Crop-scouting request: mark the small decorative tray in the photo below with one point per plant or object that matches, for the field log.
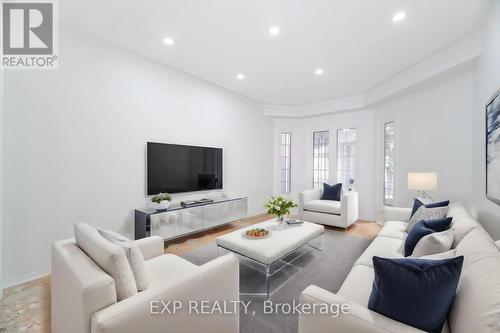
(256, 233)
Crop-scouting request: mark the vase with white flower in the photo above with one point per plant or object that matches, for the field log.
(280, 207)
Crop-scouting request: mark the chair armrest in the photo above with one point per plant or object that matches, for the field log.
(349, 207)
(397, 214)
(150, 246)
(217, 280)
(309, 195)
(357, 319)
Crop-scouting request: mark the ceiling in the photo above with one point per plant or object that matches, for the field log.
(355, 42)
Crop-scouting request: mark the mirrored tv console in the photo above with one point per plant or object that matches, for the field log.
(178, 221)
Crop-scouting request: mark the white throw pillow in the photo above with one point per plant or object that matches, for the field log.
(110, 257)
(134, 257)
(443, 255)
(437, 242)
(424, 213)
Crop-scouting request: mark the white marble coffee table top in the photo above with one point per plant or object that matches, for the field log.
(282, 240)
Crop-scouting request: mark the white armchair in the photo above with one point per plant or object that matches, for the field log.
(84, 297)
(341, 213)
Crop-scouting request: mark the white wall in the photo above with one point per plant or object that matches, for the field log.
(487, 82)
(76, 137)
(302, 130)
(434, 131)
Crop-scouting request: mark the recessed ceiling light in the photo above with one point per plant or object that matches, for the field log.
(240, 76)
(398, 16)
(318, 71)
(273, 31)
(168, 41)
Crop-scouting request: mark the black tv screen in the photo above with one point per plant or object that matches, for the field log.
(178, 168)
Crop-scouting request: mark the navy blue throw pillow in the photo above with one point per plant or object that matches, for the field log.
(417, 292)
(438, 225)
(417, 203)
(416, 233)
(331, 192)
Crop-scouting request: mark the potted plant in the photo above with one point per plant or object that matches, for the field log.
(162, 201)
(280, 207)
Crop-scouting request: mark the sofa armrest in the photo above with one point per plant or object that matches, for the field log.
(397, 214)
(150, 246)
(349, 207)
(309, 195)
(357, 319)
(217, 280)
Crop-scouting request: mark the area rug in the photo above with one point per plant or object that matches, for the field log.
(327, 269)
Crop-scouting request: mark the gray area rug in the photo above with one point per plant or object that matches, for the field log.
(327, 269)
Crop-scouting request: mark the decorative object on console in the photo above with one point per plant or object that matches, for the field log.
(351, 183)
(493, 148)
(161, 201)
(417, 203)
(332, 192)
(422, 181)
(418, 292)
(280, 207)
(424, 213)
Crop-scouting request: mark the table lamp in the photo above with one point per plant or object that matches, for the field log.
(422, 181)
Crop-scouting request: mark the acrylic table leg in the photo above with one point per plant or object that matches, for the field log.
(267, 280)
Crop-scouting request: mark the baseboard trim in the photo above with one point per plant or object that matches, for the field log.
(24, 278)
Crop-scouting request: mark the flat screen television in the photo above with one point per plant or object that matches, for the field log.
(178, 168)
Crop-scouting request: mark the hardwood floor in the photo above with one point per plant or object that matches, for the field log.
(26, 307)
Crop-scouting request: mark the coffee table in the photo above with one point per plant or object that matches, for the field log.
(282, 241)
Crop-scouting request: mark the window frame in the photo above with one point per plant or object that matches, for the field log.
(388, 201)
(287, 160)
(326, 159)
(354, 157)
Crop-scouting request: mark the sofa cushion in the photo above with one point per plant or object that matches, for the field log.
(357, 285)
(438, 224)
(462, 223)
(424, 213)
(381, 246)
(437, 242)
(425, 304)
(394, 229)
(477, 304)
(331, 192)
(134, 257)
(323, 206)
(417, 203)
(168, 270)
(416, 233)
(110, 257)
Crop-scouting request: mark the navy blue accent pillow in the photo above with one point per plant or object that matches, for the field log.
(415, 234)
(417, 203)
(331, 192)
(417, 292)
(438, 225)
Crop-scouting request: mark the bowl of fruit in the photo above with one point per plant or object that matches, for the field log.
(256, 233)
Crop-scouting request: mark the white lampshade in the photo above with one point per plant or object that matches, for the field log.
(422, 181)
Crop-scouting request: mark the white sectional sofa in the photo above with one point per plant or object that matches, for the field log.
(341, 213)
(84, 298)
(476, 308)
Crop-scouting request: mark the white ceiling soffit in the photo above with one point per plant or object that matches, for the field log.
(445, 62)
(355, 42)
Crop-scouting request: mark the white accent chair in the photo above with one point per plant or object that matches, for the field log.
(84, 297)
(341, 213)
(476, 307)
